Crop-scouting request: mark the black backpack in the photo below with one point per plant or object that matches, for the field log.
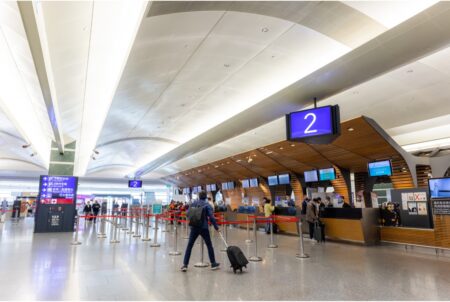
(195, 216)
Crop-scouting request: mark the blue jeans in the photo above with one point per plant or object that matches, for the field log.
(195, 232)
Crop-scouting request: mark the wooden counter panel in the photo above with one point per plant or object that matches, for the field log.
(343, 229)
(408, 235)
(288, 227)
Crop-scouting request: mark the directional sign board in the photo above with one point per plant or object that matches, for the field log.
(57, 189)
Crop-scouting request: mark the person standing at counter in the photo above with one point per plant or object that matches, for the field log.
(345, 204)
(328, 202)
(312, 216)
(304, 205)
(268, 210)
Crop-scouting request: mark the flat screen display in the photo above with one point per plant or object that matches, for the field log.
(57, 189)
(327, 174)
(186, 190)
(224, 186)
(213, 187)
(272, 180)
(254, 182)
(380, 168)
(135, 184)
(208, 188)
(439, 187)
(283, 179)
(311, 122)
(310, 176)
(245, 183)
(230, 185)
(194, 190)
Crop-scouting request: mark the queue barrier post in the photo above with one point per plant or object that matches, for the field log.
(248, 240)
(272, 245)
(147, 226)
(75, 240)
(131, 222)
(166, 224)
(155, 236)
(138, 224)
(202, 248)
(225, 231)
(123, 220)
(175, 252)
(301, 252)
(114, 226)
(186, 226)
(255, 258)
(102, 233)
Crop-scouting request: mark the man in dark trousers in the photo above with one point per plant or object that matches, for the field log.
(95, 209)
(202, 230)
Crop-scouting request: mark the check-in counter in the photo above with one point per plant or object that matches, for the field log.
(351, 224)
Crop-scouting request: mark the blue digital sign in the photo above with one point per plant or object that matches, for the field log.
(245, 183)
(439, 187)
(253, 182)
(283, 179)
(327, 174)
(310, 176)
(321, 122)
(135, 184)
(57, 189)
(380, 168)
(272, 180)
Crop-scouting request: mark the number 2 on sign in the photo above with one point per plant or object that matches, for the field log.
(308, 130)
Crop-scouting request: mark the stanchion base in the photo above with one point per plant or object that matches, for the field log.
(223, 250)
(301, 256)
(75, 243)
(114, 241)
(130, 232)
(155, 245)
(185, 238)
(255, 259)
(146, 239)
(175, 253)
(101, 236)
(125, 229)
(137, 236)
(248, 241)
(201, 264)
(272, 246)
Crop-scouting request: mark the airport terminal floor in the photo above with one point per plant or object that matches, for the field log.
(47, 267)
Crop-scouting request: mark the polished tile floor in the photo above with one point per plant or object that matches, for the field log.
(47, 267)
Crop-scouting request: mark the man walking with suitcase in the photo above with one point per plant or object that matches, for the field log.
(199, 213)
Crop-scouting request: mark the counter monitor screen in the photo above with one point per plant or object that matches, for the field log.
(213, 187)
(439, 187)
(199, 188)
(208, 188)
(254, 182)
(380, 168)
(283, 179)
(311, 176)
(230, 185)
(224, 186)
(245, 183)
(273, 180)
(135, 184)
(327, 174)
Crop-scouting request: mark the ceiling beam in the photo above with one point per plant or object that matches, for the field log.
(419, 36)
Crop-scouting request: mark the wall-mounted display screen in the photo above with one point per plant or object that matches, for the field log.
(439, 187)
(194, 190)
(213, 188)
(230, 185)
(135, 184)
(246, 183)
(283, 179)
(186, 190)
(310, 176)
(224, 186)
(272, 180)
(208, 188)
(57, 189)
(380, 168)
(327, 174)
(254, 182)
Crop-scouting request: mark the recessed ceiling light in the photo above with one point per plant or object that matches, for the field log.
(264, 29)
(281, 148)
(238, 160)
(269, 152)
(254, 155)
(292, 145)
(226, 65)
(350, 129)
(216, 166)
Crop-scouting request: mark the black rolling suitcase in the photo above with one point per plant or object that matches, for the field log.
(319, 233)
(236, 256)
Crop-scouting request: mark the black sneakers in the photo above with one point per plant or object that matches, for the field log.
(215, 266)
(184, 268)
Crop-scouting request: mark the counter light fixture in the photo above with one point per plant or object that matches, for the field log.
(350, 129)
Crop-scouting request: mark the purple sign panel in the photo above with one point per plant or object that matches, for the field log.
(312, 122)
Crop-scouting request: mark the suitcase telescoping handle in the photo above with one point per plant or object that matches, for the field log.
(221, 236)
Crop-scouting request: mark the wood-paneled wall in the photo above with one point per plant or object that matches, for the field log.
(422, 175)
(401, 177)
(298, 190)
(340, 186)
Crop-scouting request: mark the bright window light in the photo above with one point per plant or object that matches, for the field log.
(438, 143)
